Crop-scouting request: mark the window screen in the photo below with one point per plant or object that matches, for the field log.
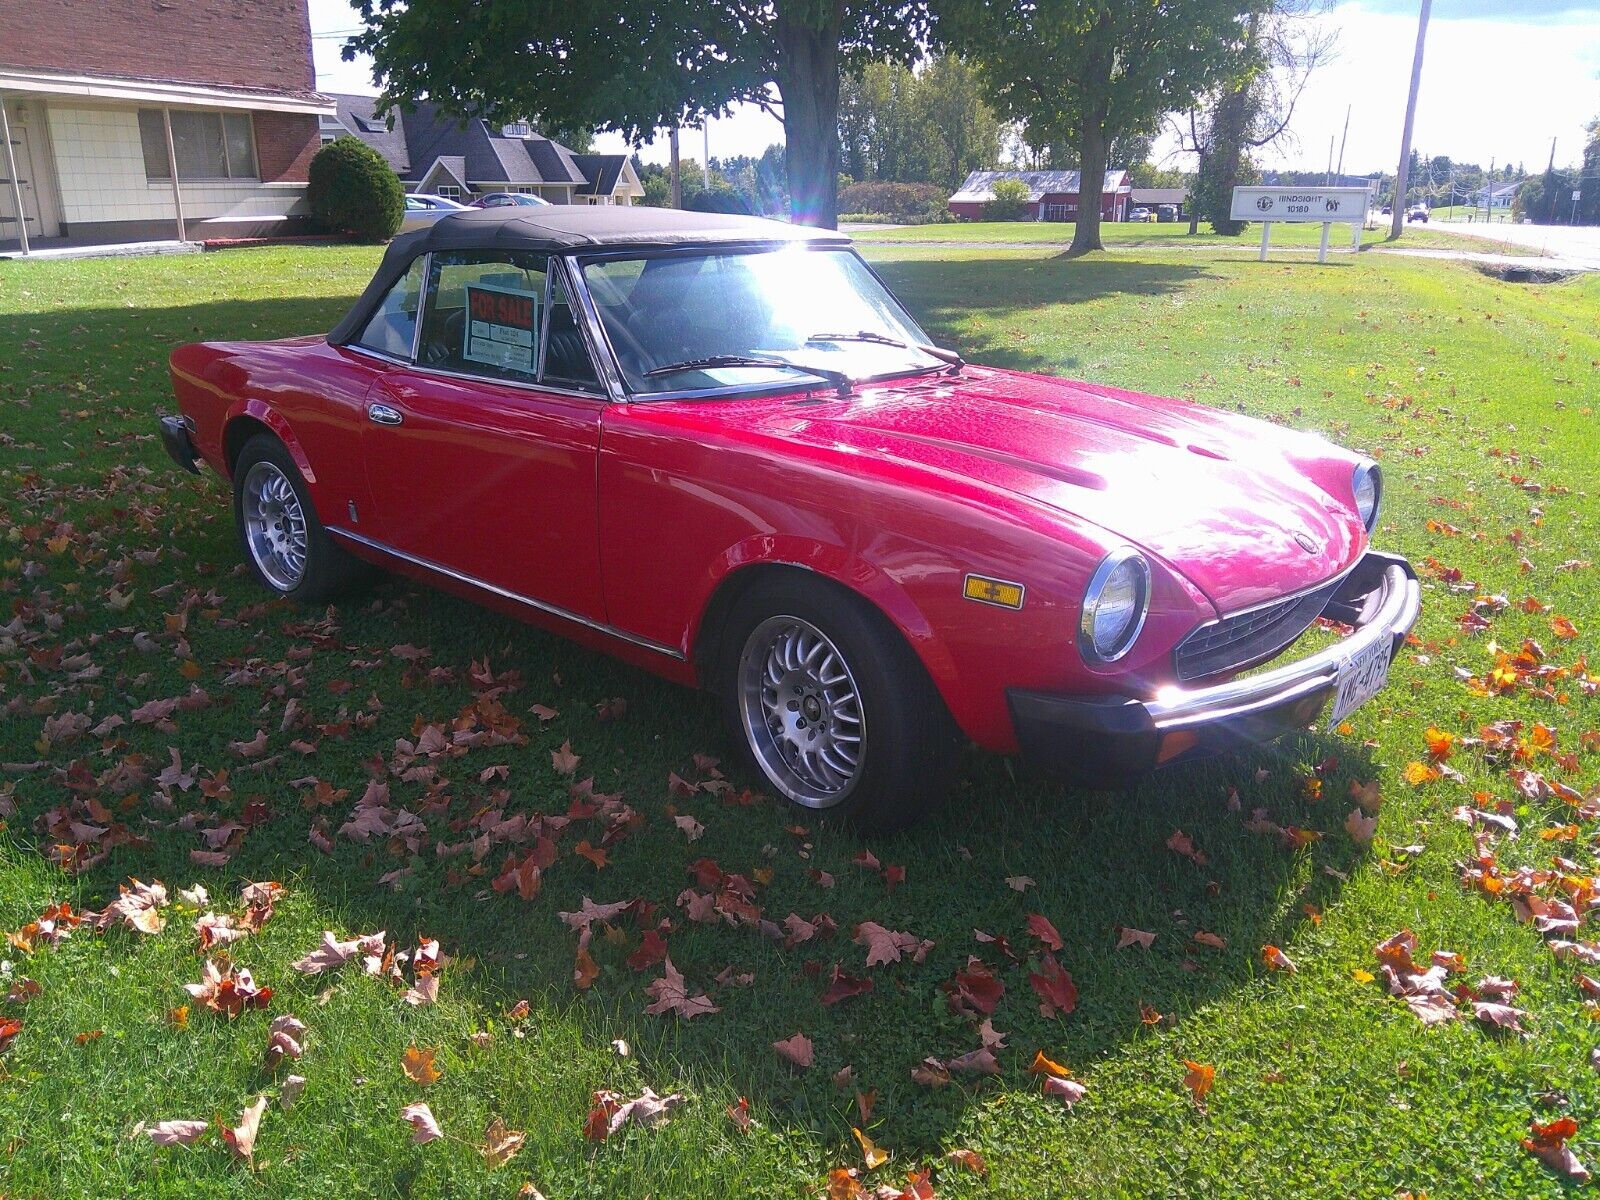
(392, 327)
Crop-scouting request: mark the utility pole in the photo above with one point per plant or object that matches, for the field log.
(1488, 197)
(705, 155)
(1328, 179)
(676, 167)
(1550, 178)
(1400, 180)
(1342, 138)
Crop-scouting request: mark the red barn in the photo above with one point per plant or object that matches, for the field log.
(1052, 195)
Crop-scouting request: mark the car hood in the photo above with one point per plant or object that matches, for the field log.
(1231, 503)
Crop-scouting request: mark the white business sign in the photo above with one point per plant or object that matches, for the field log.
(1313, 205)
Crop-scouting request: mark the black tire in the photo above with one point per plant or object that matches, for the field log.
(327, 570)
(909, 741)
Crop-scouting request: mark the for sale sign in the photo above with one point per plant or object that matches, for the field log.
(1312, 205)
(502, 327)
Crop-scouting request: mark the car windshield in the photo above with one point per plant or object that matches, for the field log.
(690, 322)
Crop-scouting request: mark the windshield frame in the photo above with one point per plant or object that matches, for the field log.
(789, 382)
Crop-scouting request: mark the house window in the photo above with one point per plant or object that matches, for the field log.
(208, 145)
(448, 190)
(517, 129)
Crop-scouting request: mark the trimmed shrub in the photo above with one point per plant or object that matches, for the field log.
(352, 190)
(1010, 201)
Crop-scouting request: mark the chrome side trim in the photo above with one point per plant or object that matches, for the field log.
(505, 593)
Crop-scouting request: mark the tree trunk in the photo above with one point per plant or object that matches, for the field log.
(1091, 185)
(808, 83)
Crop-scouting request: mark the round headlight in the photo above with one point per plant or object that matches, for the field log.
(1368, 487)
(1114, 606)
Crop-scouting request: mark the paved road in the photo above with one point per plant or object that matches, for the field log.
(1575, 245)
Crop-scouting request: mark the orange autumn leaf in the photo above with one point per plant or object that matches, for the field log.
(844, 1184)
(1277, 960)
(1417, 774)
(584, 969)
(418, 1065)
(1199, 1079)
(1563, 628)
(1044, 1066)
(873, 1155)
(594, 854)
(1439, 743)
(969, 1160)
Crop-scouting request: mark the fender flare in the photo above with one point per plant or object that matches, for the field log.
(261, 411)
(838, 565)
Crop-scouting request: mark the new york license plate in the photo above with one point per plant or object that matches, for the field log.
(1360, 679)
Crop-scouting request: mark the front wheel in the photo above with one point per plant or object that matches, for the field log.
(830, 704)
(284, 541)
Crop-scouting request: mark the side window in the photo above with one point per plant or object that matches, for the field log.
(566, 357)
(485, 314)
(393, 326)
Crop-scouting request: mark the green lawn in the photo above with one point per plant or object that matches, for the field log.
(123, 586)
(1128, 235)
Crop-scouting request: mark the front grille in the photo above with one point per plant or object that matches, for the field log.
(1249, 637)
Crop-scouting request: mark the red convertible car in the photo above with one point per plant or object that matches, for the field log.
(719, 448)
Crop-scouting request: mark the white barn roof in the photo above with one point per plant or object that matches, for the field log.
(978, 188)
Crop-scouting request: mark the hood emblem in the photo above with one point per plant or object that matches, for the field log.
(1306, 542)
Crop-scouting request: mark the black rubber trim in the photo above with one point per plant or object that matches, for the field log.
(179, 445)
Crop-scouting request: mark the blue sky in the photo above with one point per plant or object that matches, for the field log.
(1500, 79)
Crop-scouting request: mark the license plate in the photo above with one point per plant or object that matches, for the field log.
(1360, 679)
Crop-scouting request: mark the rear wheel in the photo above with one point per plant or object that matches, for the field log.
(832, 707)
(283, 540)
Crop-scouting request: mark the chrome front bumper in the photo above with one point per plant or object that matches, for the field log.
(1112, 739)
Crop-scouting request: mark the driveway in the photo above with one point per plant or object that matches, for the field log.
(1577, 246)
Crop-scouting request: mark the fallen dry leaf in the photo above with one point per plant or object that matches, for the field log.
(1548, 1144)
(418, 1065)
(796, 1049)
(177, 1133)
(500, 1144)
(1198, 1079)
(241, 1138)
(872, 1155)
(424, 1128)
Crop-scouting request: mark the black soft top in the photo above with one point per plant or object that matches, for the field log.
(570, 228)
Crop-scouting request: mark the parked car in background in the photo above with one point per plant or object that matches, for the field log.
(1167, 213)
(1141, 214)
(509, 200)
(1418, 213)
(422, 210)
(719, 448)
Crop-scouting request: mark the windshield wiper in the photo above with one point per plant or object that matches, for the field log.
(883, 339)
(713, 362)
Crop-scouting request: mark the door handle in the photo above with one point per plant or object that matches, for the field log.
(383, 414)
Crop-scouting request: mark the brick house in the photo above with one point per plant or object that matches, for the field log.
(437, 154)
(1052, 195)
(104, 98)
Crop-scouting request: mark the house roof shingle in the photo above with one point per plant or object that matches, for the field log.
(978, 187)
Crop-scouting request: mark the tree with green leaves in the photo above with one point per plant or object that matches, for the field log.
(1083, 72)
(1284, 44)
(634, 66)
(928, 125)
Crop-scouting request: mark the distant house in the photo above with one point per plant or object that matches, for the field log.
(1052, 195)
(1498, 195)
(131, 119)
(1153, 198)
(436, 153)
